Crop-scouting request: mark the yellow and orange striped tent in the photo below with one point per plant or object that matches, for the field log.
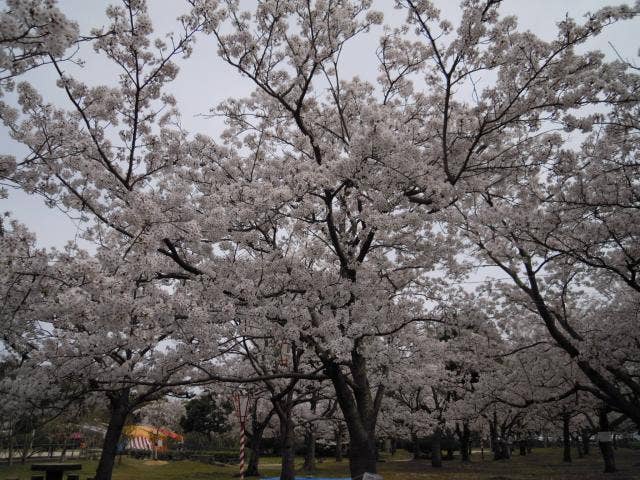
(144, 437)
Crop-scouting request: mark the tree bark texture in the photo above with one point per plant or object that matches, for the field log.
(522, 444)
(436, 444)
(586, 436)
(310, 453)
(287, 452)
(415, 445)
(566, 436)
(360, 411)
(255, 445)
(464, 436)
(119, 409)
(606, 448)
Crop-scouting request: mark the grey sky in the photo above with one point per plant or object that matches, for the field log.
(205, 80)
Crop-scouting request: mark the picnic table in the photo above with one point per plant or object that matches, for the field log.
(55, 471)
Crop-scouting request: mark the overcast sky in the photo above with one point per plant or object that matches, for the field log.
(204, 80)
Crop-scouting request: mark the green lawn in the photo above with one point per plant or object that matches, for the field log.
(544, 464)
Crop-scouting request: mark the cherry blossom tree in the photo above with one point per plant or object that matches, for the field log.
(271, 359)
(89, 327)
(117, 335)
(261, 415)
(328, 212)
(553, 286)
(21, 289)
(32, 31)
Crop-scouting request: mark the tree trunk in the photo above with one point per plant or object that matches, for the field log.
(415, 442)
(523, 447)
(119, 408)
(362, 454)
(586, 435)
(287, 453)
(310, 453)
(10, 459)
(254, 461)
(497, 444)
(566, 436)
(496, 447)
(505, 445)
(28, 452)
(339, 435)
(25, 449)
(579, 446)
(505, 449)
(360, 411)
(255, 444)
(465, 443)
(436, 453)
(606, 448)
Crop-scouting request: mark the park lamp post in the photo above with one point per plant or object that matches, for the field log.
(241, 403)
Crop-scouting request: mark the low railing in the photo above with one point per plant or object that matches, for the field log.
(44, 451)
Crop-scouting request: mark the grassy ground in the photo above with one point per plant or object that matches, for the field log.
(544, 464)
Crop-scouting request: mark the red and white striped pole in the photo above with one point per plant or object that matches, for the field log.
(242, 441)
(242, 409)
